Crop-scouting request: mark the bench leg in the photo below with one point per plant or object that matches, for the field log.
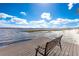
(36, 52)
(60, 45)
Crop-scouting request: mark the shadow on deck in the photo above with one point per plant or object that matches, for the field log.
(68, 49)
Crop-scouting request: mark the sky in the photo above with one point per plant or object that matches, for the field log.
(39, 15)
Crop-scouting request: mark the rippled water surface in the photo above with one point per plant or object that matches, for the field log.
(7, 35)
(14, 35)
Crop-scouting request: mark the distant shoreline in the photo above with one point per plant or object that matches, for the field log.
(35, 28)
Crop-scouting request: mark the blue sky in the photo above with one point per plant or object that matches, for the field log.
(43, 15)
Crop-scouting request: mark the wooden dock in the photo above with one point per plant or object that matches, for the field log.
(68, 49)
(28, 49)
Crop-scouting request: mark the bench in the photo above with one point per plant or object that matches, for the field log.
(49, 46)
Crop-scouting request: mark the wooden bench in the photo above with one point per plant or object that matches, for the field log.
(48, 47)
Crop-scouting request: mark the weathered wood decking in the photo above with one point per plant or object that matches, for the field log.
(68, 49)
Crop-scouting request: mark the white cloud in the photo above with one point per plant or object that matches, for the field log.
(23, 13)
(63, 23)
(13, 25)
(3, 15)
(39, 24)
(3, 22)
(19, 21)
(13, 19)
(57, 23)
(70, 5)
(46, 16)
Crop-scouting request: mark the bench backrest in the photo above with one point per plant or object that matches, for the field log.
(50, 45)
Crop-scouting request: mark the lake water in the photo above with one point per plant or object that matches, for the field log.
(7, 35)
(11, 35)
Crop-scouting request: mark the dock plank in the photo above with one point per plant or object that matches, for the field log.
(66, 52)
(77, 50)
(74, 50)
(70, 51)
(54, 51)
(59, 52)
